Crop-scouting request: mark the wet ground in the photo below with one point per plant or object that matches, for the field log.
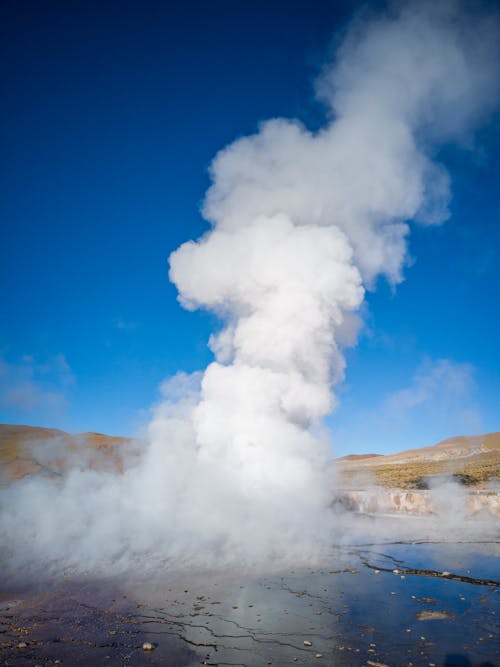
(390, 604)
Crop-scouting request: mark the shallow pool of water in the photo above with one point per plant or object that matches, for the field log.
(370, 604)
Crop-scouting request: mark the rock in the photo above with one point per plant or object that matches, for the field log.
(432, 615)
(318, 655)
(307, 643)
(148, 646)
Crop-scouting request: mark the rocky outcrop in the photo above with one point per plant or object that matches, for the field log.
(418, 503)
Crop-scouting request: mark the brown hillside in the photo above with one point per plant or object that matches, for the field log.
(26, 450)
(357, 457)
(471, 459)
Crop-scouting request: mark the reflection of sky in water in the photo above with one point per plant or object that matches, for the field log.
(479, 561)
(350, 613)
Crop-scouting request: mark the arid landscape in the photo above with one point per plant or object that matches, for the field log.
(29, 450)
(218, 242)
(443, 591)
(472, 461)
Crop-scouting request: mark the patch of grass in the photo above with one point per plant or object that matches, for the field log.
(470, 472)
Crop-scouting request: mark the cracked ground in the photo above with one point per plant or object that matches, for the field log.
(390, 604)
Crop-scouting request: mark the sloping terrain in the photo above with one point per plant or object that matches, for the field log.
(473, 460)
(26, 450)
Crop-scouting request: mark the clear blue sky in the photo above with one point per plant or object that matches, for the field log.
(111, 114)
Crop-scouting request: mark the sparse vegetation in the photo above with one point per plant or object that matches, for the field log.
(27, 450)
(471, 471)
(23, 451)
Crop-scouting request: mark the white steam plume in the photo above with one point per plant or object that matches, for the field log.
(301, 223)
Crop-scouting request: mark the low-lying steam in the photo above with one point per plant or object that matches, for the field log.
(301, 224)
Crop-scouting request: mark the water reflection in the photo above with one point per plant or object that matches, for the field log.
(375, 605)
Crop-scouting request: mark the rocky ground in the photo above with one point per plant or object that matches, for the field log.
(408, 588)
(375, 605)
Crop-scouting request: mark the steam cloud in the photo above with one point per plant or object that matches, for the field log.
(301, 224)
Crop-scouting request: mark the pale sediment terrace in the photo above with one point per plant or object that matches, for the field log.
(418, 502)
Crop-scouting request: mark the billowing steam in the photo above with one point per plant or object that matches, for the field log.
(301, 223)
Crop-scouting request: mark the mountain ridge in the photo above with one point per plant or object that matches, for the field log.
(29, 450)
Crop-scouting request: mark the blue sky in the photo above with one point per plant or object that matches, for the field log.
(111, 115)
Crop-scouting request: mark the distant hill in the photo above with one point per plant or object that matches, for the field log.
(471, 459)
(357, 457)
(27, 450)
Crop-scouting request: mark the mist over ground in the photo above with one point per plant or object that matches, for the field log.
(301, 224)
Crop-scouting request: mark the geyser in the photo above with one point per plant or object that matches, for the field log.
(302, 223)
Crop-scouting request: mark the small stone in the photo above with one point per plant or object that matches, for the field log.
(22, 645)
(318, 655)
(295, 659)
(148, 646)
(432, 615)
(307, 643)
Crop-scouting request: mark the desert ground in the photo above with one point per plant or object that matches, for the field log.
(424, 598)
